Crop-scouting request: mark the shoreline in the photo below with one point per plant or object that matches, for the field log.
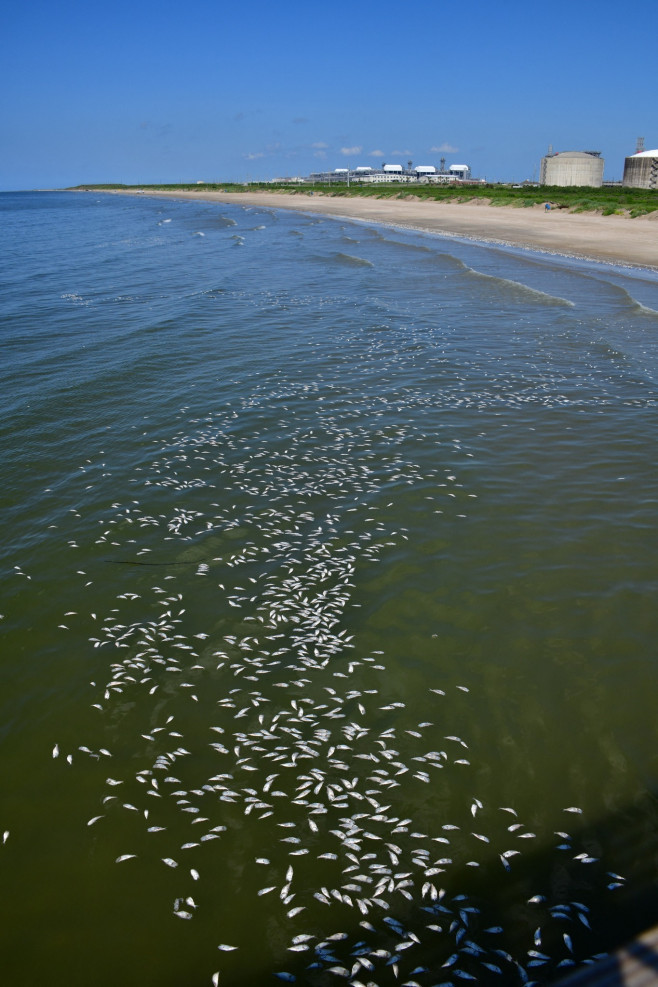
(616, 240)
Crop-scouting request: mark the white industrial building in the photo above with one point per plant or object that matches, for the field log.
(455, 173)
(387, 173)
(572, 168)
(641, 170)
(460, 171)
(396, 173)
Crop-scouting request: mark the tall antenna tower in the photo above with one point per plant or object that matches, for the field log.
(640, 145)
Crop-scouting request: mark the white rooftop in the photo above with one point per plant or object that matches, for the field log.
(575, 154)
(646, 154)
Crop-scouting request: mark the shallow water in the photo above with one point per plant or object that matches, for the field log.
(320, 538)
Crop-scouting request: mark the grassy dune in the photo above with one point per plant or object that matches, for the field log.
(605, 201)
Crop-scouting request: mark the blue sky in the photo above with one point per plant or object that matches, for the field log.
(154, 92)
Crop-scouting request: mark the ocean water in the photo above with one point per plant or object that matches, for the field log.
(329, 581)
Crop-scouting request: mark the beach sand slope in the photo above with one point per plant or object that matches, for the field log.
(612, 239)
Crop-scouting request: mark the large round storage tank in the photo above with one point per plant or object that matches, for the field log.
(572, 168)
(641, 170)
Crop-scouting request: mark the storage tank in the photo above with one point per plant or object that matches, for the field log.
(572, 168)
(641, 170)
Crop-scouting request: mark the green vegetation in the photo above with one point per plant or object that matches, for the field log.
(606, 201)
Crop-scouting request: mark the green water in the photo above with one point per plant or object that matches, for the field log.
(304, 562)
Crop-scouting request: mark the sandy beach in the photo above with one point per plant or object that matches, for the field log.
(611, 239)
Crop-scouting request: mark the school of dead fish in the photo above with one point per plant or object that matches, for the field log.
(293, 727)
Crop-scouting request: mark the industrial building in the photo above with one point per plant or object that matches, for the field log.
(641, 168)
(572, 168)
(396, 173)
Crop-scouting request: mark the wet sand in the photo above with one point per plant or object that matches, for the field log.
(612, 239)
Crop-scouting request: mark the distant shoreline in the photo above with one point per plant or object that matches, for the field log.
(613, 239)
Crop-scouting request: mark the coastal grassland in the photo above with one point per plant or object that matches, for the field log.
(606, 201)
